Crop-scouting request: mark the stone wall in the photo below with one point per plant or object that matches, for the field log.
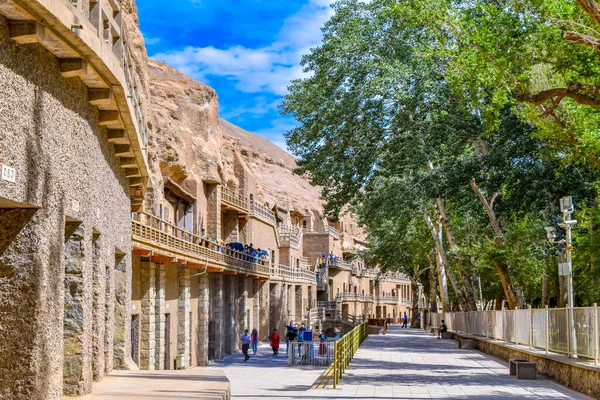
(567, 372)
(315, 245)
(66, 169)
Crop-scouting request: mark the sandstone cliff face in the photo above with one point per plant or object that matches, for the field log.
(188, 140)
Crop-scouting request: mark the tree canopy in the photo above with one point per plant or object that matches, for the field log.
(452, 128)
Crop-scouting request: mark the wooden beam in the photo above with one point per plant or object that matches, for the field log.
(136, 182)
(116, 136)
(108, 117)
(101, 97)
(26, 32)
(141, 252)
(132, 173)
(72, 67)
(164, 259)
(128, 162)
(123, 150)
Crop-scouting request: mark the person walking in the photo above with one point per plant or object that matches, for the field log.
(323, 344)
(254, 341)
(405, 324)
(246, 339)
(275, 342)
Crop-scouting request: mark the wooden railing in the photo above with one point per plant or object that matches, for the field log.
(290, 236)
(234, 198)
(289, 273)
(263, 213)
(337, 263)
(350, 296)
(154, 232)
(334, 233)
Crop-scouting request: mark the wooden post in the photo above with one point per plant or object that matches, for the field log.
(547, 328)
(595, 330)
(515, 327)
(530, 326)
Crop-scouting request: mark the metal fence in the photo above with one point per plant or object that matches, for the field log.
(318, 353)
(549, 329)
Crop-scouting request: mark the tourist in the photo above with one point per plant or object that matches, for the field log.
(323, 344)
(443, 328)
(418, 320)
(290, 336)
(405, 324)
(246, 339)
(254, 341)
(275, 342)
(331, 256)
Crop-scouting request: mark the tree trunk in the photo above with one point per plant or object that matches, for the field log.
(546, 281)
(444, 265)
(466, 286)
(499, 301)
(414, 288)
(510, 292)
(433, 306)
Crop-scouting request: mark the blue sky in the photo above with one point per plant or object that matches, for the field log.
(248, 50)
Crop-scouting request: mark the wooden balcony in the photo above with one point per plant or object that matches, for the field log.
(292, 274)
(233, 200)
(289, 236)
(339, 264)
(89, 41)
(262, 213)
(158, 237)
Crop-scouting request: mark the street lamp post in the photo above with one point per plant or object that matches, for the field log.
(566, 207)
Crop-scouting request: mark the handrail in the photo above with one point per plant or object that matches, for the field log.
(287, 272)
(234, 198)
(262, 212)
(290, 235)
(147, 227)
(337, 263)
(345, 349)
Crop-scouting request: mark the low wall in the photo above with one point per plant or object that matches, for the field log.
(577, 375)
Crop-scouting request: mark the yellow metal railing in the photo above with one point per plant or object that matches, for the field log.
(344, 350)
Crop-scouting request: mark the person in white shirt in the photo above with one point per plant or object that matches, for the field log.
(246, 340)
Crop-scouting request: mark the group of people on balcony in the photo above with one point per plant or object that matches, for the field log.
(247, 253)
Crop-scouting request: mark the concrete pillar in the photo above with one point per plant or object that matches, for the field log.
(183, 315)
(98, 309)
(122, 305)
(203, 317)
(213, 220)
(148, 322)
(277, 306)
(217, 314)
(299, 309)
(243, 304)
(159, 332)
(291, 305)
(256, 311)
(229, 302)
(230, 226)
(77, 338)
(264, 314)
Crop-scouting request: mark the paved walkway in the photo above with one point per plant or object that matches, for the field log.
(192, 384)
(404, 364)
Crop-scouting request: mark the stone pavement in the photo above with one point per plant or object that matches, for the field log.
(197, 384)
(404, 364)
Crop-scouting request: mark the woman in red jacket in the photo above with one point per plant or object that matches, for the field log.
(275, 342)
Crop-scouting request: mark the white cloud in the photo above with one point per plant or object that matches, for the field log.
(151, 41)
(265, 69)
